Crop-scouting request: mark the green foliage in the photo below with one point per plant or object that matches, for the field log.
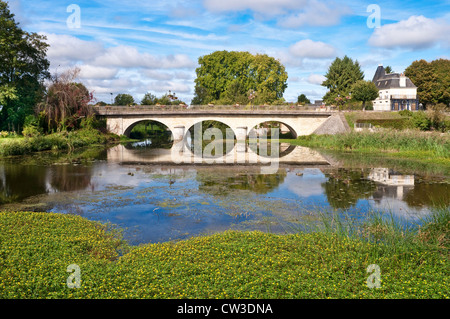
(7, 93)
(124, 100)
(341, 76)
(23, 69)
(432, 80)
(57, 141)
(388, 69)
(437, 117)
(406, 113)
(149, 99)
(37, 248)
(30, 131)
(66, 103)
(421, 121)
(227, 77)
(364, 91)
(148, 129)
(302, 99)
(398, 124)
(434, 145)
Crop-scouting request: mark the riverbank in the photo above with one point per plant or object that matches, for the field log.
(57, 142)
(37, 248)
(424, 147)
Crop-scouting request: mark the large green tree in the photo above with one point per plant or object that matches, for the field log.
(124, 99)
(432, 80)
(23, 69)
(364, 91)
(341, 76)
(229, 77)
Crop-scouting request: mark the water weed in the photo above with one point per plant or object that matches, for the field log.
(37, 248)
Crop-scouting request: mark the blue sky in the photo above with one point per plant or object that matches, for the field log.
(153, 46)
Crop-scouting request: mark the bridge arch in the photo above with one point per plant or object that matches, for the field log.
(282, 123)
(226, 131)
(128, 129)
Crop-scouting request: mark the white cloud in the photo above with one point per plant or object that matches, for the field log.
(265, 7)
(120, 68)
(316, 14)
(311, 49)
(68, 48)
(95, 72)
(293, 13)
(417, 32)
(316, 79)
(130, 57)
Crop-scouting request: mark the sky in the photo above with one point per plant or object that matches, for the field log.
(137, 47)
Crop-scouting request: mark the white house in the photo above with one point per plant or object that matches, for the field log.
(397, 92)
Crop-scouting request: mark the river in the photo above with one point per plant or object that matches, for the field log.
(139, 189)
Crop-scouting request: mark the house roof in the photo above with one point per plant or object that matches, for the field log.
(387, 81)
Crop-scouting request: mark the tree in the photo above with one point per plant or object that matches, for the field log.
(7, 93)
(23, 69)
(432, 80)
(341, 76)
(388, 69)
(226, 78)
(302, 99)
(364, 91)
(66, 102)
(124, 99)
(149, 99)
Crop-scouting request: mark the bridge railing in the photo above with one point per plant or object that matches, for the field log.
(212, 108)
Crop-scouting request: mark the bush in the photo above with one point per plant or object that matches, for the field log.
(31, 131)
(421, 121)
(15, 147)
(398, 124)
(406, 113)
(437, 117)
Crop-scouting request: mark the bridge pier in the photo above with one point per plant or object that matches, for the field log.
(241, 133)
(178, 133)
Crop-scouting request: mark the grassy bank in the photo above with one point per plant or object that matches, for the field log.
(427, 147)
(57, 141)
(37, 248)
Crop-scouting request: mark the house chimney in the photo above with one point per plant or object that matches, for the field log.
(402, 80)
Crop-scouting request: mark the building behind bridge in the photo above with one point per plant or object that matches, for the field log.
(396, 92)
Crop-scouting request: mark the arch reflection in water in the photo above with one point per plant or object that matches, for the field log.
(210, 139)
(240, 154)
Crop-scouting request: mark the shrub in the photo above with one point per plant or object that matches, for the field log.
(421, 121)
(406, 113)
(31, 131)
(437, 117)
(398, 124)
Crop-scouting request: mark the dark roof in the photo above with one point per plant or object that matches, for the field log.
(380, 73)
(386, 81)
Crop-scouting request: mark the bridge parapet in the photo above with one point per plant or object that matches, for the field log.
(216, 109)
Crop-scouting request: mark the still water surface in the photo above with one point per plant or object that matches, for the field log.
(138, 189)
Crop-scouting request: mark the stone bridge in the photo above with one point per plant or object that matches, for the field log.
(121, 119)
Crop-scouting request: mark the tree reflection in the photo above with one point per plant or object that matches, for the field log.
(67, 178)
(18, 182)
(428, 194)
(345, 187)
(223, 184)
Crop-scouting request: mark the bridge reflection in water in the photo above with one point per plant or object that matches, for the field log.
(241, 154)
